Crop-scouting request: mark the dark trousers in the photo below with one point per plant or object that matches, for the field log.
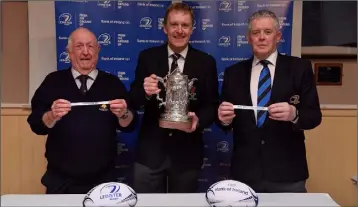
(278, 187)
(164, 179)
(57, 183)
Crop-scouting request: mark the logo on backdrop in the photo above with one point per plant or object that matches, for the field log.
(121, 39)
(206, 23)
(146, 23)
(221, 77)
(160, 23)
(241, 5)
(104, 4)
(122, 76)
(104, 39)
(65, 19)
(224, 41)
(122, 4)
(241, 40)
(64, 57)
(83, 19)
(225, 6)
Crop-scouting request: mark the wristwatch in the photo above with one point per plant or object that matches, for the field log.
(125, 115)
(296, 117)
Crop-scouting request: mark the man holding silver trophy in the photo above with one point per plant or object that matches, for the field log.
(177, 87)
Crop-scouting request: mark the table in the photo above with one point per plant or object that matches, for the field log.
(161, 200)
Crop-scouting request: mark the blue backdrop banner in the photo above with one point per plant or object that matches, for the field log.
(124, 28)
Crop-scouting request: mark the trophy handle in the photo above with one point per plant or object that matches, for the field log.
(162, 102)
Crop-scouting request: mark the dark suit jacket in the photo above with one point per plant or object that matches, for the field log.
(276, 151)
(155, 144)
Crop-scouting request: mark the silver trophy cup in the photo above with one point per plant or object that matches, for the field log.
(177, 87)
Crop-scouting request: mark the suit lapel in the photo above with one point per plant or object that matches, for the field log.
(280, 79)
(163, 66)
(248, 69)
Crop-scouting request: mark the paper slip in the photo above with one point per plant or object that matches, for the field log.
(251, 107)
(89, 103)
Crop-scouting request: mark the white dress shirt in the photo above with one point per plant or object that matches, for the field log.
(180, 61)
(93, 75)
(255, 75)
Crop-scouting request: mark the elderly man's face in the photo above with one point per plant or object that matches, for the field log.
(84, 50)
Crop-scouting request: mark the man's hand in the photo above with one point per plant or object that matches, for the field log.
(194, 122)
(118, 107)
(282, 111)
(226, 112)
(60, 108)
(151, 85)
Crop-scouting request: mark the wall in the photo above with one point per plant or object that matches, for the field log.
(15, 52)
(347, 92)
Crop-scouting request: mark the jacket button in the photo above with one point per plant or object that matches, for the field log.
(262, 141)
(170, 134)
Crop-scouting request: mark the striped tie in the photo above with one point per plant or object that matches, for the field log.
(174, 65)
(264, 92)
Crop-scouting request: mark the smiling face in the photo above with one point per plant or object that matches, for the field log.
(83, 50)
(263, 36)
(178, 27)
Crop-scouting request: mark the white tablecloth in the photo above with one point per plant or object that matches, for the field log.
(161, 200)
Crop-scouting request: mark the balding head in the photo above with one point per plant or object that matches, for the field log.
(83, 50)
(77, 33)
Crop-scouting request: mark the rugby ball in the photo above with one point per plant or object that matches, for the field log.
(111, 194)
(231, 193)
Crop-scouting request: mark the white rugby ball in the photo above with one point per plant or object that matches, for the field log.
(111, 194)
(231, 193)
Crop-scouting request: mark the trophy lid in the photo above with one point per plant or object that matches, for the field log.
(176, 74)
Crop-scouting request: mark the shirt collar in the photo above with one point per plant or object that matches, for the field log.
(182, 53)
(272, 58)
(93, 74)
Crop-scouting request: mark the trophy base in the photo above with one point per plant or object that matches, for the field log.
(174, 125)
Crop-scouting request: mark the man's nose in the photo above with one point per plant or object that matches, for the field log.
(262, 36)
(180, 29)
(85, 50)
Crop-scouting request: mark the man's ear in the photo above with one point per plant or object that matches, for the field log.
(165, 29)
(248, 37)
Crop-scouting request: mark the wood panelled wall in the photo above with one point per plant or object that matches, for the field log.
(331, 152)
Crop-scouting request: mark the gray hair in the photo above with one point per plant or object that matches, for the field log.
(69, 40)
(264, 13)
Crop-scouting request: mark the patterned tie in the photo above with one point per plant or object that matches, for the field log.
(83, 79)
(263, 92)
(175, 58)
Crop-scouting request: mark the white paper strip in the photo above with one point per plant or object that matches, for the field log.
(251, 107)
(89, 103)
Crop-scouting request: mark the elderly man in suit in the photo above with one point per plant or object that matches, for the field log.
(269, 149)
(173, 155)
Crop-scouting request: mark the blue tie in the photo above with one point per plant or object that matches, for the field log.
(263, 92)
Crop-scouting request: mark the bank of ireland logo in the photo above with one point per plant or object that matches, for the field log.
(104, 39)
(64, 57)
(225, 6)
(224, 41)
(65, 19)
(146, 23)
